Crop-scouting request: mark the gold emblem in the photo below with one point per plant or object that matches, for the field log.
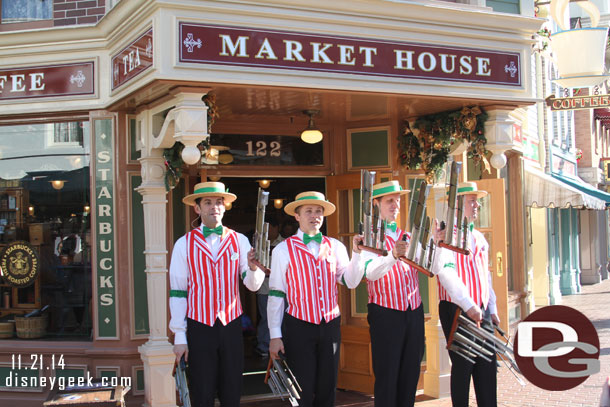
(19, 263)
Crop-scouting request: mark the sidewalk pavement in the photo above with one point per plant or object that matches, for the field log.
(594, 302)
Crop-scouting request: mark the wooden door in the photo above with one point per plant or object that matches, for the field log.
(355, 366)
(492, 223)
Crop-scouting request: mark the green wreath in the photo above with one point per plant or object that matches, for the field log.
(437, 134)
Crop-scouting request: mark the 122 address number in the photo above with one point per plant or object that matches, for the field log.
(261, 148)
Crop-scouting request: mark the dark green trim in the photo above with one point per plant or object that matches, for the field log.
(384, 190)
(243, 275)
(277, 293)
(178, 293)
(366, 265)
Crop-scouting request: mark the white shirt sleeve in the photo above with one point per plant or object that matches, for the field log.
(178, 281)
(444, 267)
(348, 272)
(375, 267)
(277, 289)
(493, 309)
(253, 279)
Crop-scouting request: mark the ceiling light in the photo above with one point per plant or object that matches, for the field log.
(264, 183)
(311, 134)
(58, 184)
(278, 203)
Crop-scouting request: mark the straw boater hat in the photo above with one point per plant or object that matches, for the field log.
(310, 198)
(209, 189)
(467, 188)
(388, 188)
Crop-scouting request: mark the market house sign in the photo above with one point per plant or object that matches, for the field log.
(578, 102)
(19, 264)
(46, 81)
(208, 44)
(132, 60)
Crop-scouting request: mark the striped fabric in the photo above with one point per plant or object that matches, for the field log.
(214, 285)
(399, 288)
(473, 270)
(542, 190)
(311, 283)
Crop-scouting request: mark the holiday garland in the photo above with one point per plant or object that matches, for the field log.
(429, 149)
(173, 155)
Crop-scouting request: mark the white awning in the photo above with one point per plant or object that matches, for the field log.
(542, 190)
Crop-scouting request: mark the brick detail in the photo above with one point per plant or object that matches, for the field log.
(87, 4)
(65, 21)
(76, 13)
(87, 20)
(96, 11)
(59, 14)
(64, 6)
(101, 3)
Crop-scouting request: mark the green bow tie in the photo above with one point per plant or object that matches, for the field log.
(391, 226)
(471, 226)
(207, 231)
(316, 238)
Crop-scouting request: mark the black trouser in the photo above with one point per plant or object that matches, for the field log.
(216, 362)
(312, 353)
(397, 343)
(483, 373)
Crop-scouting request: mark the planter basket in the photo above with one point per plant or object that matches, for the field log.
(31, 328)
(7, 330)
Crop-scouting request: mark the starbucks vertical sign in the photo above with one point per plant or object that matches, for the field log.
(104, 230)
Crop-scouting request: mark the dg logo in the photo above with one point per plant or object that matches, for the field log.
(557, 348)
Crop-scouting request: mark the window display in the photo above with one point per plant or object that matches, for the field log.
(45, 253)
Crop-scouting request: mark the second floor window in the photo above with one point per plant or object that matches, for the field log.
(20, 11)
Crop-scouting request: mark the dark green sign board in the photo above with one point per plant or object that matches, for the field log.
(105, 278)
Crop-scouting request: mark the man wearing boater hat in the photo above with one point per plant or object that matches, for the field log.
(305, 270)
(395, 310)
(476, 297)
(207, 264)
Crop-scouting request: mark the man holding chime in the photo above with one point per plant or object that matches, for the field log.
(475, 296)
(305, 270)
(395, 310)
(206, 267)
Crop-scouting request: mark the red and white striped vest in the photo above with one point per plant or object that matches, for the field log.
(399, 288)
(214, 285)
(311, 283)
(473, 270)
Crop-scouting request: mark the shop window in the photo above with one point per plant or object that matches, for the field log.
(505, 6)
(45, 214)
(66, 134)
(21, 11)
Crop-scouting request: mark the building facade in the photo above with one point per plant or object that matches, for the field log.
(90, 113)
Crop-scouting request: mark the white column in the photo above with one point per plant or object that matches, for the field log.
(186, 122)
(157, 353)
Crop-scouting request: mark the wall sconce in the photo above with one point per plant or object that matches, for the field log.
(278, 203)
(214, 178)
(31, 210)
(228, 206)
(264, 183)
(311, 134)
(87, 208)
(58, 184)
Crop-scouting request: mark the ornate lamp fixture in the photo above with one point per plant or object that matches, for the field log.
(311, 134)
